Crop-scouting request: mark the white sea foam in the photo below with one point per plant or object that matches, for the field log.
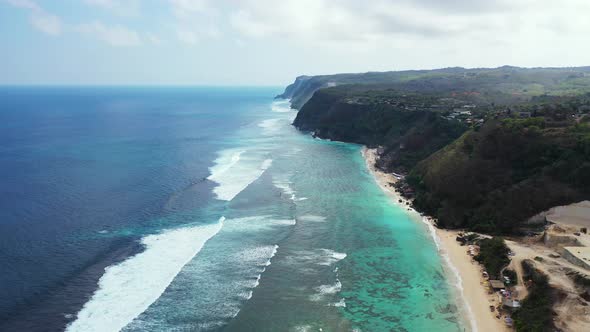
(339, 304)
(432, 232)
(262, 253)
(285, 222)
(246, 295)
(312, 218)
(306, 259)
(281, 106)
(330, 289)
(258, 278)
(271, 126)
(326, 290)
(256, 223)
(285, 186)
(250, 256)
(127, 289)
(330, 257)
(456, 274)
(269, 123)
(235, 169)
(225, 161)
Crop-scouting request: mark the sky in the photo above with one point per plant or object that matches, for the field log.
(270, 42)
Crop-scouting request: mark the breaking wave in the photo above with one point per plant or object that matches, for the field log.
(236, 169)
(127, 289)
(281, 106)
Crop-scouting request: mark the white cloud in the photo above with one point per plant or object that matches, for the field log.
(289, 37)
(47, 23)
(186, 8)
(25, 4)
(39, 18)
(118, 7)
(386, 23)
(187, 36)
(116, 35)
(153, 39)
(195, 20)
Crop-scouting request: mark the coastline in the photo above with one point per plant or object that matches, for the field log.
(464, 274)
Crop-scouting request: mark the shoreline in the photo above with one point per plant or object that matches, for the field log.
(464, 273)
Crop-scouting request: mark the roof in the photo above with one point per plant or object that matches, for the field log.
(511, 303)
(497, 284)
(581, 254)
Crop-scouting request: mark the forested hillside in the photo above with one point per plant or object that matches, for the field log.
(484, 149)
(494, 178)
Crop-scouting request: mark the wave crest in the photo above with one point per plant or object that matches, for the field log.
(127, 289)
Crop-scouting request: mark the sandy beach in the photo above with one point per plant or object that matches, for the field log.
(472, 296)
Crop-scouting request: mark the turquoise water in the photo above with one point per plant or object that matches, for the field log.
(209, 211)
(391, 278)
(346, 258)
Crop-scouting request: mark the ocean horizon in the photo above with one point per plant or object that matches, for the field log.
(200, 208)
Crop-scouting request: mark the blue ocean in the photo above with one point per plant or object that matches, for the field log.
(199, 209)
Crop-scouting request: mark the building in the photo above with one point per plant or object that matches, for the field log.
(497, 284)
(578, 255)
(510, 303)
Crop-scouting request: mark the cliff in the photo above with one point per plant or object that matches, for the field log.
(484, 149)
(523, 82)
(407, 136)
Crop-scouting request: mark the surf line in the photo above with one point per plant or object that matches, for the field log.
(128, 288)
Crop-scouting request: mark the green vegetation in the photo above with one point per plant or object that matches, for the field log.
(536, 314)
(493, 254)
(505, 84)
(512, 276)
(483, 149)
(379, 118)
(494, 178)
(515, 125)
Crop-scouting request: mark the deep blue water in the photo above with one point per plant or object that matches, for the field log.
(79, 164)
(199, 209)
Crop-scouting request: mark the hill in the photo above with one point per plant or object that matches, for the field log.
(520, 83)
(494, 178)
(484, 149)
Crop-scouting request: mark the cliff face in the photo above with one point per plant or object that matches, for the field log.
(294, 88)
(300, 91)
(406, 137)
(523, 146)
(513, 81)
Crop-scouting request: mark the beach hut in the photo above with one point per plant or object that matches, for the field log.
(510, 303)
(496, 284)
